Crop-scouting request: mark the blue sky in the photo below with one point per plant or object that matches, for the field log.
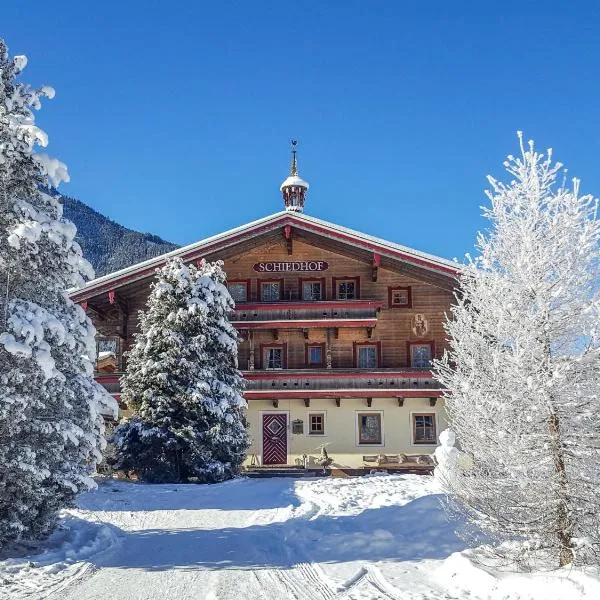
(175, 118)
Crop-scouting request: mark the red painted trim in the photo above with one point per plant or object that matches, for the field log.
(355, 352)
(392, 289)
(248, 233)
(349, 393)
(429, 343)
(332, 374)
(376, 259)
(248, 283)
(316, 304)
(278, 280)
(309, 345)
(369, 245)
(321, 280)
(304, 324)
(101, 378)
(264, 347)
(336, 280)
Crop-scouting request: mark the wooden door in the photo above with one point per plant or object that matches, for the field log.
(274, 439)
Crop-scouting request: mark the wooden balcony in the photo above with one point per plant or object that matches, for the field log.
(340, 383)
(305, 314)
(325, 383)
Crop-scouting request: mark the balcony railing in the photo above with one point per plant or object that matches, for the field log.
(340, 383)
(299, 314)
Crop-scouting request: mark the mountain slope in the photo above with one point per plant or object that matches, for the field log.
(108, 245)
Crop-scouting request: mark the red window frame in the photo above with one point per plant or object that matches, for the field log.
(307, 348)
(357, 345)
(336, 280)
(409, 346)
(396, 288)
(303, 280)
(247, 282)
(264, 347)
(259, 283)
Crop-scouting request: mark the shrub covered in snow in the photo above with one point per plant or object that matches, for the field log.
(522, 372)
(50, 422)
(182, 378)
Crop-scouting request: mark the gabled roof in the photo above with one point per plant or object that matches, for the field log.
(304, 222)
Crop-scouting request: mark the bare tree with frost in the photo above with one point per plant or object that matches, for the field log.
(523, 368)
(50, 422)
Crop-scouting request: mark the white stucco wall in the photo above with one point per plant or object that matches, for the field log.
(341, 430)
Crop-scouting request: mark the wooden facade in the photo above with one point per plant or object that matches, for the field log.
(326, 316)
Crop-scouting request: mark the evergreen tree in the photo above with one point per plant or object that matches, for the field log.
(522, 369)
(50, 422)
(182, 378)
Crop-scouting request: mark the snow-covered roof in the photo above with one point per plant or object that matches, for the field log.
(294, 180)
(255, 228)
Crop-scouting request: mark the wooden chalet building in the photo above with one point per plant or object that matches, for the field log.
(337, 331)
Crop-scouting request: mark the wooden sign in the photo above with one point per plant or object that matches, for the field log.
(296, 266)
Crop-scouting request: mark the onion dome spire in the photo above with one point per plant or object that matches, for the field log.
(294, 188)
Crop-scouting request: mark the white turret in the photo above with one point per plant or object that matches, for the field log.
(294, 188)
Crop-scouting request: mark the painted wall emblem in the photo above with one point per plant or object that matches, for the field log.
(420, 326)
(297, 266)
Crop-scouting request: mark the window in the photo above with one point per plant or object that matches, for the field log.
(314, 355)
(400, 297)
(424, 429)
(238, 291)
(369, 428)
(346, 290)
(270, 291)
(274, 358)
(421, 355)
(316, 424)
(311, 290)
(366, 356)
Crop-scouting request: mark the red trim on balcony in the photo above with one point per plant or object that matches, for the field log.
(303, 280)
(305, 323)
(338, 374)
(355, 346)
(307, 347)
(336, 280)
(430, 343)
(316, 304)
(350, 393)
(407, 289)
(261, 359)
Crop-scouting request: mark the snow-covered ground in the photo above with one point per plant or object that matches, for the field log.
(371, 538)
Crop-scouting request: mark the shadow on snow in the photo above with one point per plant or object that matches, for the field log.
(415, 531)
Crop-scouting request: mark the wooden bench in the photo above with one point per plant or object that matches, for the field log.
(395, 460)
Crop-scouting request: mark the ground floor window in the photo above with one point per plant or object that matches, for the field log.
(369, 428)
(316, 424)
(424, 428)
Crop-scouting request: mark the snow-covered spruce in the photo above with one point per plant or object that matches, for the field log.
(522, 371)
(182, 379)
(51, 429)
